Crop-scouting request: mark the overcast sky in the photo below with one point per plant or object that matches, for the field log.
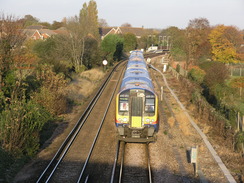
(147, 13)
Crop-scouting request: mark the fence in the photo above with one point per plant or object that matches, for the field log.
(239, 117)
(236, 71)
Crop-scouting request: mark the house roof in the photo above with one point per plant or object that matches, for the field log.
(29, 32)
(44, 33)
(47, 31)
(138, 31)
(61, 30)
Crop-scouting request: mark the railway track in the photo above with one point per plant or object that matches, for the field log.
(67, 165)
(87, 154)
(126, 168)
(91, 152)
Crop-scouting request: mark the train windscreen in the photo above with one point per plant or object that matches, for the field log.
(149, 104)
(124, 103)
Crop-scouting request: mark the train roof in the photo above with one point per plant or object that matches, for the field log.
(136, 75)
(136, 53)
(136, 72)
(140, 81)
(136, 64)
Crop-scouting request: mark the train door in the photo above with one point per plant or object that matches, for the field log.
(136, 112)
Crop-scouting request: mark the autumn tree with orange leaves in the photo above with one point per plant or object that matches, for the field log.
(225, 41)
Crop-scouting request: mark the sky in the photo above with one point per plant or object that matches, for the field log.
(147, 13)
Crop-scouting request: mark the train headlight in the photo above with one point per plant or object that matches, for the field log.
(147, 120)
(124, 119)
(120, 120)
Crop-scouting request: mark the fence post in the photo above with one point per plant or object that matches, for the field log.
(242, 124)
(162, 91)
(238, 121)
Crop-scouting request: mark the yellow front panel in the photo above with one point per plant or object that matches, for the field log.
(136, 122)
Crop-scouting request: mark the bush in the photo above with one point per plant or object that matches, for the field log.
(52, 93)
(216, 74)
(178, 54)
(54, 101)
(239, 139)
(196, 74)
(178, 68)
(20, 124)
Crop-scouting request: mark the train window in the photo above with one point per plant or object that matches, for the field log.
(124, 102)
(149, 105)
(123, 106)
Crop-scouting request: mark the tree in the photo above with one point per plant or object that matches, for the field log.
(91, 56)
(82, 29)
(46, 25)
(57, 25)
(215, 89)
(217, 73)
(89, 19)
(126, 25)
(102, 23)
(130, 42)
(177, 42)
(11, 40)
(197, 40)
(234, 36)
(29, 20)
(73, 42)
(89, 23)
(223, 48)
(112, 46)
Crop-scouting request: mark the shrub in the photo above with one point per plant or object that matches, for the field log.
(20, 124)
(196, 74)
(239, 139)
(178, 68)
(216, 74)
(54, 101)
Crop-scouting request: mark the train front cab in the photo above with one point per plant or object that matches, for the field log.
(137, 115)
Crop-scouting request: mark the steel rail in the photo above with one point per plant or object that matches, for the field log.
(98, 131)
(115, 162)
(148, 164)
(122, 163)
(72, 135)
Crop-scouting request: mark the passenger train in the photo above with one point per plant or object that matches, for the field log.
(136, 103)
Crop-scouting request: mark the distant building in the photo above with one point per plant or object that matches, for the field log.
(138, 32)
(41, 34)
